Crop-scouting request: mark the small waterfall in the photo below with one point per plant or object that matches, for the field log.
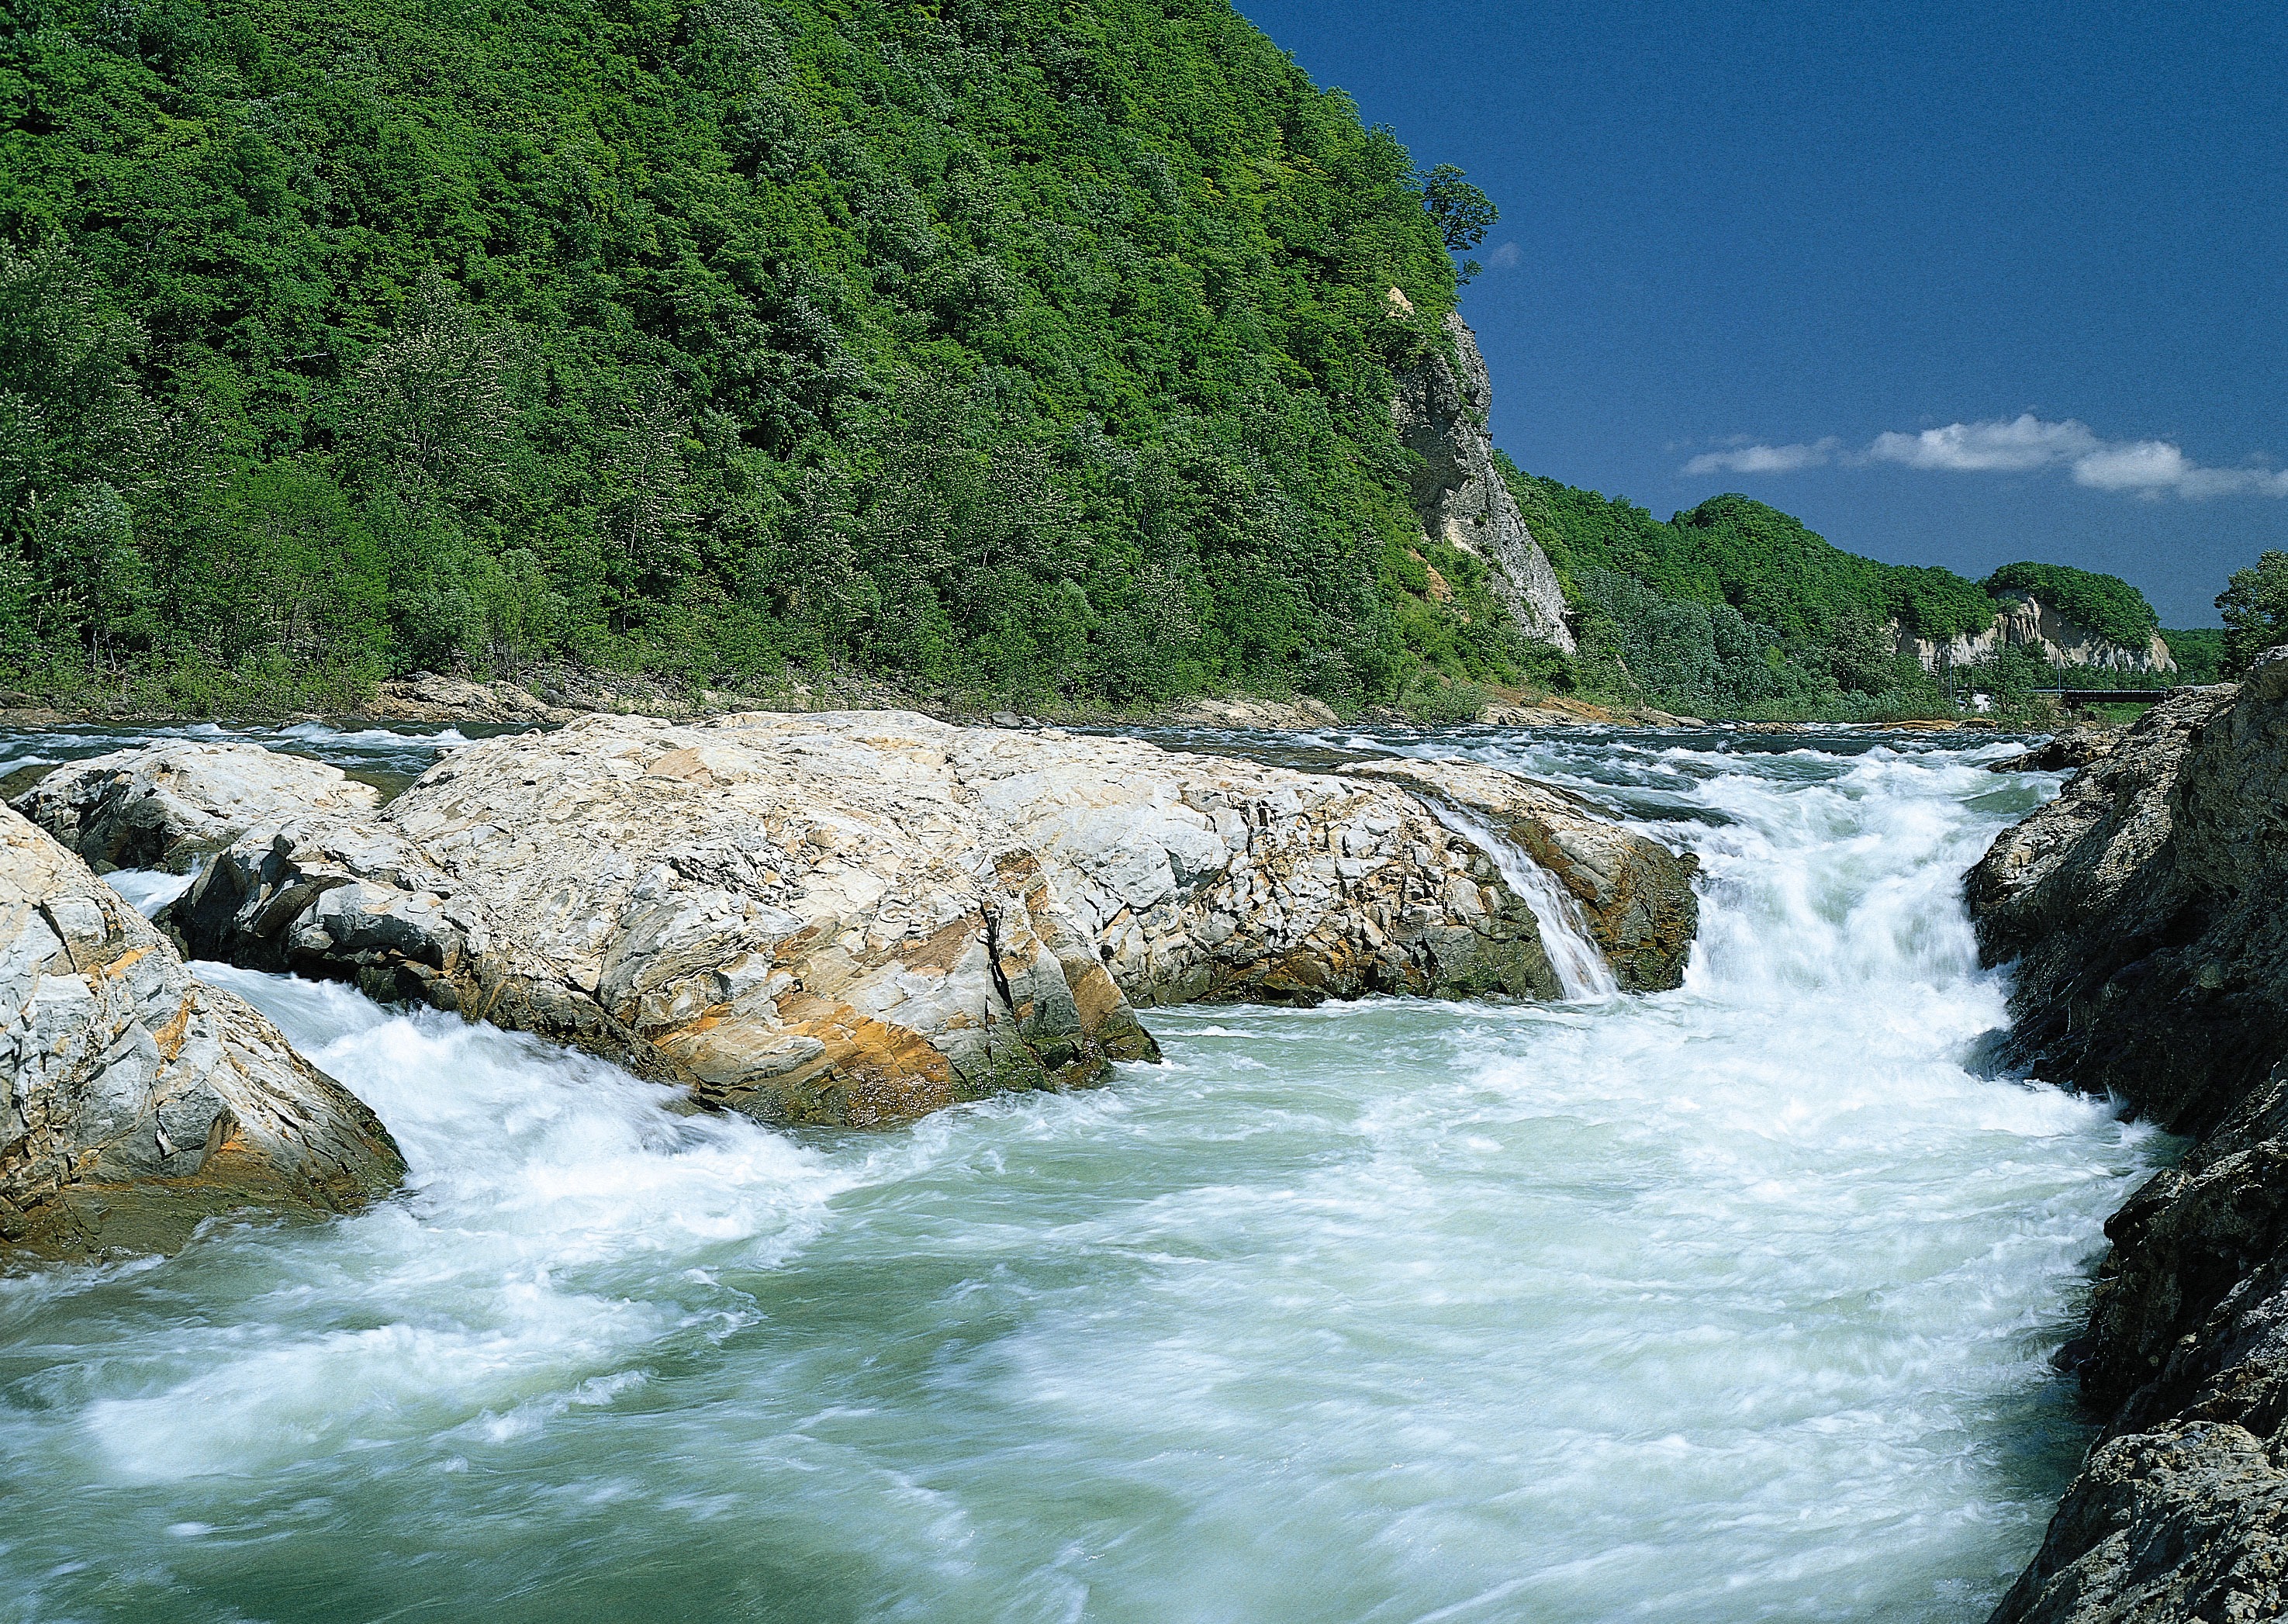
(1581, 968)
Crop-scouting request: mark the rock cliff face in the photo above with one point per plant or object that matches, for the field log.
(141, 1101)
(2148, 910)
(1441, 410)
(859, 918)
(2027, 622)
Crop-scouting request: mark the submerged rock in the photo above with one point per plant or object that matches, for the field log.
(2147, 911)
(141, 1100)
(859, 918)
(2064, 754)
(159, 805)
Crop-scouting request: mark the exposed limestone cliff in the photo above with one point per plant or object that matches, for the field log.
(862, 917)
(2148, 911)
(2028, 624)
(141, 1101)
(1459, 492)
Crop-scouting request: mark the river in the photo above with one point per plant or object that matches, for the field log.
(1734, 1302)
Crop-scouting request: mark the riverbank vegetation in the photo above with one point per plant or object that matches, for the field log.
(1011, 348)
(989, 350)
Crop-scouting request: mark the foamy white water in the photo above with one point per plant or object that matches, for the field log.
(1582, 970)
(1730, 1304)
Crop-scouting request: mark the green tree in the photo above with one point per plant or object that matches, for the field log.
(430, 414)
(2254, 605)
(1463, 213)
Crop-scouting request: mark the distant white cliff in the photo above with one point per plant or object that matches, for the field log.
(2024, 622)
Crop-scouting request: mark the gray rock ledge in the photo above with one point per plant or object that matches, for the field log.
(2147, 912)
(141, 1100)
(857, 918)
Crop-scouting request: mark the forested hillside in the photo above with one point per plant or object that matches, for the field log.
(1018, 349)
(995, 345)
(1733, 607)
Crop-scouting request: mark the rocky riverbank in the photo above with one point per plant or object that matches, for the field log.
(2147, 911)
(861, 918)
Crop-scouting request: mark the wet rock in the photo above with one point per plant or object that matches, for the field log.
(142, 1101)
(161, 805)
(1636, 895)
(862, 917)
(2064, 754)
(2141, 908)
(2187, 1522)
(2147, 910)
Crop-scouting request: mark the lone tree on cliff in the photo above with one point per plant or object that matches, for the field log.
(1463, 213)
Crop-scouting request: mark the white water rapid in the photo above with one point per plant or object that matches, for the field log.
(1582, 972)
(1730, 1304)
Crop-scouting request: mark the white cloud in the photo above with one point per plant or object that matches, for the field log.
(1765, 459)
(2023, 444)
(1506, 258)
(2150, 467)
(2002, 445)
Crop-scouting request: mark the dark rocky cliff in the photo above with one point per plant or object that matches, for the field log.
(2144, 909)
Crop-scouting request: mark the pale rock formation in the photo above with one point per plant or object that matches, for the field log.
(1441, 410)
(2025, 622)
(161, 805)
(141, 1101)
(862, 917)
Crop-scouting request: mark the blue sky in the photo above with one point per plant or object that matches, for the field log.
(1955, 284)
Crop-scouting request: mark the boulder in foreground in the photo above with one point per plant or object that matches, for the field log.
(162, 806)
(862, 917)
(142, 1101)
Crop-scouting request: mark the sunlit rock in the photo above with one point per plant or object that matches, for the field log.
(862, 917)
(141, 1100)
(163, 804)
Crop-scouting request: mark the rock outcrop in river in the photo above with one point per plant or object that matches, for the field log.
(141, 1100)
(2147, 909)
(162, 806)
(859, 918)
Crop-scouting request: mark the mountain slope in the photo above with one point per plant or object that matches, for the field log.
(1046, 349)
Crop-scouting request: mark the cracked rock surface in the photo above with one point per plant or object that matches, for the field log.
(141, 1101)
(858, 918)
(2147, 911)
(159, 805)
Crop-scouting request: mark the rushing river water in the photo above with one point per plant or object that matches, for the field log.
(1727, 1303)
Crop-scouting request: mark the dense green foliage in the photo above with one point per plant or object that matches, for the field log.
(1735, 609)
(2106, 604)
(2199, 652)
(2254, 605)
(1007, 345)
(1730, 549)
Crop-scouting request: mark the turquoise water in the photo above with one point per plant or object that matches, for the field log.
(1728, 1303)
